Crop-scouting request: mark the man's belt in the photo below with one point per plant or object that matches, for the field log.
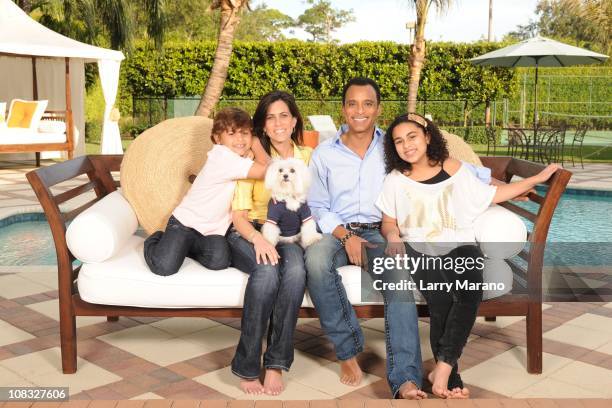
(362, 225)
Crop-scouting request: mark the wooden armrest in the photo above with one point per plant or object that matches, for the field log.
(505, 168)
(98, 169)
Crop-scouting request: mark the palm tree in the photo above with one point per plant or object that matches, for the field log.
(490, 34)
(598, 12)
(417, 54)
(87, 20)
(489, 39)
(230, 17)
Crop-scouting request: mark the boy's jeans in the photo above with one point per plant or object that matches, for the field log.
(165, 251)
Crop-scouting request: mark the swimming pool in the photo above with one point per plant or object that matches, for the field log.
(583, 220)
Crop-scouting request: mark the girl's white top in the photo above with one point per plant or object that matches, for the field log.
(441, 212)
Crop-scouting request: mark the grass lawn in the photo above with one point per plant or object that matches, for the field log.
(591, 154)
(94, 147)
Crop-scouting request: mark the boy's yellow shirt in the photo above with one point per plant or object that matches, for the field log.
(252, 195)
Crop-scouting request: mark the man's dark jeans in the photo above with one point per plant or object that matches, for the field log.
(165, 252)
(274, 294)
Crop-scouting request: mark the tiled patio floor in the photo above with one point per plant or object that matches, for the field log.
(188, 358)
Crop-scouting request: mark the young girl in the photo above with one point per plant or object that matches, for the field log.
(430, 201)
(277, 276)
(197, 227)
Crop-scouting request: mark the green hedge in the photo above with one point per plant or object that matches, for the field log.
(317, 72)
(311, 70)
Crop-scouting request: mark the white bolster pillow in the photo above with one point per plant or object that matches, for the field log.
(500, 232)
(99, 232)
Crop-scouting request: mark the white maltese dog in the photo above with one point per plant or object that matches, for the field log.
(289, 218)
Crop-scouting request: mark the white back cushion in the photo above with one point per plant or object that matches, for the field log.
(99, 232)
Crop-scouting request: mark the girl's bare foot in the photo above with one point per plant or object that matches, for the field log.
(409, 391)
(350, 372)
(273, 382)
(439, 379)
(251, 386)
(459, 393)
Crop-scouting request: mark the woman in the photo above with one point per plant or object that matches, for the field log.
(277, 275)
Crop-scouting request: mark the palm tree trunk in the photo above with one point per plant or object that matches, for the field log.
(229, 21)
(416, 61)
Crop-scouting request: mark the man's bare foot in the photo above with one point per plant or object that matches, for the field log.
(251, 386)
(459, 393)
(409, 391)
(350, 372)
(439, 379)
(273, 382)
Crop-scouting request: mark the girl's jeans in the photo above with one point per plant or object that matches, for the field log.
(453, 312)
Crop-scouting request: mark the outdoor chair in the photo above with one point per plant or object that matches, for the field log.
(577, 144)
(517, 142)
(324, 124)
(549, 146)
(491, 133)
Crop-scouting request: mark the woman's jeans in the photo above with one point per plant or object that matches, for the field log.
(453, 312)
(274, 294)
(338, 318)
(165, 251)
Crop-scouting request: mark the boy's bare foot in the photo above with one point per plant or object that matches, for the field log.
(459, 393)
(439, 379)
(251, 386)
(273, 382)
(409, 391)
(350, 372)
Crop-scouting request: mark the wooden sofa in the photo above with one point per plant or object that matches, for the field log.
(98, 169)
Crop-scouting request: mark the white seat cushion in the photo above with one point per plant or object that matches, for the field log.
(10, 136)
(125, 279)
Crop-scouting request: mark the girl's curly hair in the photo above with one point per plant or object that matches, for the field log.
(437, 151)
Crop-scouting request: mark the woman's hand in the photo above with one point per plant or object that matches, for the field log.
(395, 246)
(264, 251)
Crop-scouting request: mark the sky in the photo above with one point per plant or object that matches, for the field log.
(378, 20)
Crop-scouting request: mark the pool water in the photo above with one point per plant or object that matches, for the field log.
(27, 243)
(579, 218)
(581, 230)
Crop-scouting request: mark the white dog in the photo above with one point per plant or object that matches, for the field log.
(289, 218)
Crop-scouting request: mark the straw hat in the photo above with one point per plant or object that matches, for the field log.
(459, 149)
(156, 168)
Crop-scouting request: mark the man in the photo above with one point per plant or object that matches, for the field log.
(348, 172)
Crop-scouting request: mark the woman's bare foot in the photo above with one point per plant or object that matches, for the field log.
(459, 393)
(409, 391)
(251, 386)
(350, 372)
(273, 382)
(439, 379)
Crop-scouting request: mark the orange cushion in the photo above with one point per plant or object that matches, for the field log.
(21, 114)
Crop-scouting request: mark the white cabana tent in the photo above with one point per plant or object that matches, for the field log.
(38, 63)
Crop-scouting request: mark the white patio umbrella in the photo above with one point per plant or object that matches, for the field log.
(538, 52)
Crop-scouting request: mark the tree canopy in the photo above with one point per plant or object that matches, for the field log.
(322, 19)
(586, 23)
